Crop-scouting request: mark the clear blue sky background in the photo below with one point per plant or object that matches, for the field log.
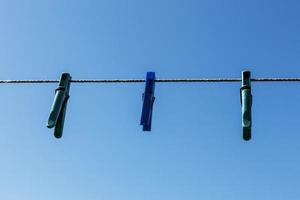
(195, 150)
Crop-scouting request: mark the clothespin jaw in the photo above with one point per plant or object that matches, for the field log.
(246, 102)
(59, 106)
(148, 101)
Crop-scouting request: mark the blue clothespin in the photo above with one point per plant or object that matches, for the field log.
(148, 100)
(246, 102)
(59, 106)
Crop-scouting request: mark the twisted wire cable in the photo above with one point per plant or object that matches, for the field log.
(186, 80)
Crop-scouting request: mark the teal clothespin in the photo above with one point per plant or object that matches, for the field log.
(246, 101)
(59, 106)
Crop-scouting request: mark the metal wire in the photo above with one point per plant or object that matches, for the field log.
(157, 80)
(29, 81)
(276, 79)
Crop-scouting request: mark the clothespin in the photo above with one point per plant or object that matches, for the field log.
(246, 102)
(59, 106)
(148, 100)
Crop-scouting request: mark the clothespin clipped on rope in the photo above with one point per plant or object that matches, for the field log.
(59, 106)
(148, 101)
(246, 102)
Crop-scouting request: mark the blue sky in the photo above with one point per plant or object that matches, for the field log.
(195, 150)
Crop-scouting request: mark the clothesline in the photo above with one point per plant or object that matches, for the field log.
(187, 80)
(58, 108)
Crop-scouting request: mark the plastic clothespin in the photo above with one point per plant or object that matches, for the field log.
(148, 101)
(246, 102)
(59, 106)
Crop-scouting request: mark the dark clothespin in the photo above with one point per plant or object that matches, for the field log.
(59, 106)
(246, 102)
(148, 100)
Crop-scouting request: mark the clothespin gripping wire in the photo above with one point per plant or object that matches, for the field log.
(148, 101)
(59, 106)
(246, 103)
